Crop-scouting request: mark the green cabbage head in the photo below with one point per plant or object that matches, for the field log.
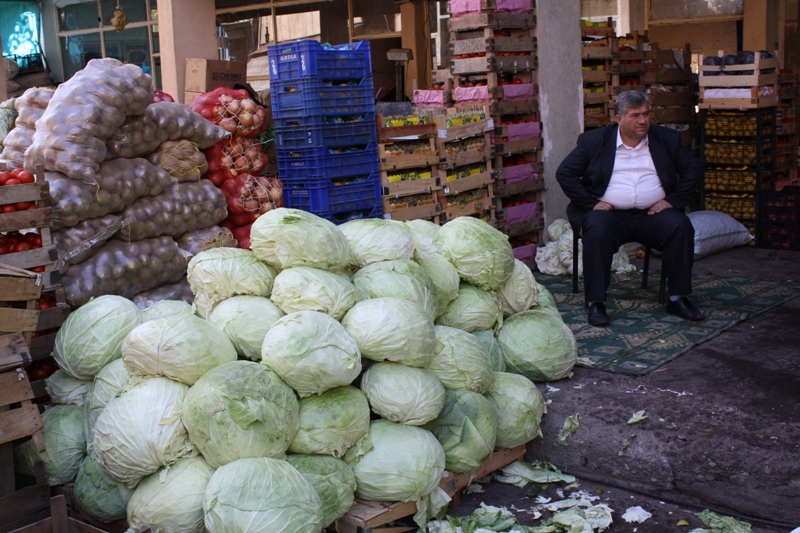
(98, 495)
(537, 345)
(65, 444)
(374, 239)
(240, 409)
(391, 329)
(140, 431)
(92, 335)
(246, 321)
(473, 310)
(107, 385)
(461, 361)
(480, 253)
(261, 495)
(396, 462)
(171, 499)
(219, 273)
(411, 396)
(285, 238)
(466, 428)
(333, 480)
(311, 289)
(490, 342)
(422, 227)
(332, 422)
(444, 279)
(311, 352)
(402, 279)
(520, 292)
(519, 406)
(63, 388)
(181, 347)
(165, 308)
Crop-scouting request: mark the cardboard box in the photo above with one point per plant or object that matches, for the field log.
(203, 75)
(189, 96)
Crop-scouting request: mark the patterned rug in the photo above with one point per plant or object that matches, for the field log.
(642, 336)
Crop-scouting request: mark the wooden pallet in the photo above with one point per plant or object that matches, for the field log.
(383, 517)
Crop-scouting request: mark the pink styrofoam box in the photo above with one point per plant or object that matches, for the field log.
(520, 173)
(517, 92)
(523, 132)
(459, 8)
(513, 6)
(426, 98)
(472, 95)
(526, 252)
(520, 213)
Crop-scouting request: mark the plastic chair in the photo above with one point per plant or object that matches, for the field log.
(576, 235)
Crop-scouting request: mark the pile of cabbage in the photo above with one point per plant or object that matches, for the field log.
(328, 363)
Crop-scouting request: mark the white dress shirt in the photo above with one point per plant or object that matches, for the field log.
(634, 182)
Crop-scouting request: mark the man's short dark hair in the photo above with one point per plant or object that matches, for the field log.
(630, 99)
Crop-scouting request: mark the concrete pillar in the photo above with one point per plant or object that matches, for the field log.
(623, 17)
(188, 30)
(561, 92)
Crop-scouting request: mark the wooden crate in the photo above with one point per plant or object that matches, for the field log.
(416, 160)
(756, 79)
(387, 133)
(409, 187)
(467, 157)
(486, 41)
(755, 100)
(447, 133)
(493, 62)
(467, 183)
(468, 203)
(495, 21)
(489, 6)
(383, 517)
(518, 147)
(427, 210)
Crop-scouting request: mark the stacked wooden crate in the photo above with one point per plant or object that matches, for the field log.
(786, 148)
(672, 91)
(596, 56)
(465, 161)
(409, 166)
(493, 50)
(32, 304)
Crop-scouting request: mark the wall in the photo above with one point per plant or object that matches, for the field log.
(50, 44)
(706, 38)
(598, 8)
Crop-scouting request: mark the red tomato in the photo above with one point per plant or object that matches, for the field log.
(38, 270)
(22, 247)
(3, 249)
(25, 177)
(13, 181)
(34, 239)
(22, 206)
(517, 81)
(16, 171)
(4, 177)
(8, 208)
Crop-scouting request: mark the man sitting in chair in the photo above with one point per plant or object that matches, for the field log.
(629, 182)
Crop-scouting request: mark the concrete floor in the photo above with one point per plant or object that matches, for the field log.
(723, 430)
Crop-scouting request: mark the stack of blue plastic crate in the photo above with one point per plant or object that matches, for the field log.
(323, 107)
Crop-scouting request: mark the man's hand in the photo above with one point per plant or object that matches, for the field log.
(659, 206)
(603, 206)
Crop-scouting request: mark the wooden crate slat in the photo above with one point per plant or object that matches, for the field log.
(519, 187)
(53, 317)
(596, 76)
(19, 423)
(13, 320)
(466, 184)
(14, 388)
(666, 115)
(518, 147)
(455, 133)
(31, 258)
(666, 99)
(41, 524)
(498, 21)
(24, 192)
(14, 353)
(426, 212)
(409, 187)
(42, 346)
(492, 44)
(18, 289)
(30, 218)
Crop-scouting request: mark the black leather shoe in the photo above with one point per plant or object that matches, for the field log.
(597, 314)
(684, 309)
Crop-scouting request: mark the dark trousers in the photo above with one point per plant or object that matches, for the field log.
(669, 231)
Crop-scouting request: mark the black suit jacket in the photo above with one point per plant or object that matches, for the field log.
(585, 172)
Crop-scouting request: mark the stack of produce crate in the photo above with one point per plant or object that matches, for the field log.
(738, 150)
(786, 149)
(672, 91)
(32, 303)
(493, 50)
(464, 143)
(409, 170)
(325, 131)
(596, 56)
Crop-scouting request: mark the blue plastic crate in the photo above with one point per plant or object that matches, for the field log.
(333, 196)
(307, 163)
(301, 59)
(317, 132)
(307, 97)
(346, 216)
